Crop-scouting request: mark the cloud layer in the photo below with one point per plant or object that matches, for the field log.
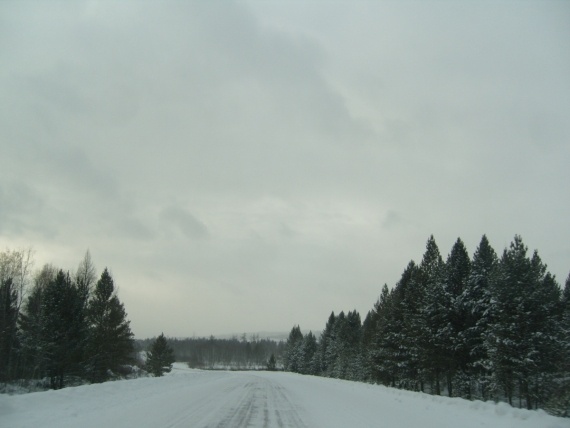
(245, 166)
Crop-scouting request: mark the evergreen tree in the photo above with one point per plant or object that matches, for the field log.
(322, 356)
(522, 338)
(335, 351)
(367, 345)
(160, 357)
(293, 352)
(272, 363)
(565, 315)
(409, 302)
(455, 350)
(8, 329)
(110, 340)
(432, 319)
(308, 350)
(545, 350)
(30, 325)
(475, 302)
(352, 340)
(63, 329)
(559, 402)
(382, 353)
(344, 354)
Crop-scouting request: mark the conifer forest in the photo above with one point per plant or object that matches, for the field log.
(59, 328)
(488, 328)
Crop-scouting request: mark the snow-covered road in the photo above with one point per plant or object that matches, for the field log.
(190, 398)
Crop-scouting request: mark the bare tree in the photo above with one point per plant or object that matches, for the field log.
(17, 266)
(86, 276)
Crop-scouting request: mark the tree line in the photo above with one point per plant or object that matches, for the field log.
(487, 328)
(58, 325)
(232, 353)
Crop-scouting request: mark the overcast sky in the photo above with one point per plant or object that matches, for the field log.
(248, 166)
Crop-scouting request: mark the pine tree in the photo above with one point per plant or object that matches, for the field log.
(367, 345)
(475, 302)
(63, 329)
(383, 350)
(307, 354)
(293, 352)
(455, 350)
(544, 349)
(522, 338)
(30, 326)
(565, 323)
(322, 355)
(559, 401)
(272, 363)
(8, 329)
(110, 340)
(409, 303)
(335, 351)
(505, 333)
(432, 321)
(160, 357)
(353, 352)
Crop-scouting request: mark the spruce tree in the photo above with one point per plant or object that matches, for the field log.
(110, 340)
(307, 354)
(272, 363)
(559, 402)
(8, 329)
(455, 350)
(506, 336)
(63, 329)
(475, 302)
(544, 351)
(409, 304)
(523, 335)
(383, 352)
(352, 348)
(30, 325)
(293, 353)
(324, 345)
(335, 352)
(433, 317)
(565, 316)
(367, 345)
(160, 357)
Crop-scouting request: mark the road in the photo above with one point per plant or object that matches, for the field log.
(209, 399)
(238, 400)
(199, 399)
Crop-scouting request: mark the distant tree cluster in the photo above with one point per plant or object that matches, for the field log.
(60, 326)
(481, 328)
(234, 353)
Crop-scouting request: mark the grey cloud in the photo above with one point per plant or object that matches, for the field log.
(184, 222)
(308, 151)
(127, 225)
(22, 210)
(391, 219)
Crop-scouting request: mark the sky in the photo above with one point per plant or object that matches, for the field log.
(250, 166)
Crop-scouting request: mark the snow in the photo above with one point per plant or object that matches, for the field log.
(196, 398)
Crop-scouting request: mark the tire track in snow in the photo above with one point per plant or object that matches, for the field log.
(261, 403)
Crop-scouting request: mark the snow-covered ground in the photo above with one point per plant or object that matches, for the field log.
(194, 398)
